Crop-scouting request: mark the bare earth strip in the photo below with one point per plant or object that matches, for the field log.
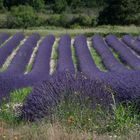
(34, 53)
(54, 55)
(73, 55)
(10, 58)
(5, 42)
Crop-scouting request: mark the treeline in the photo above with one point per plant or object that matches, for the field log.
(57, 6)
(69, 13)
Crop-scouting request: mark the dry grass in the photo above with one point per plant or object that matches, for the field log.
(48, 131)
(41, 131)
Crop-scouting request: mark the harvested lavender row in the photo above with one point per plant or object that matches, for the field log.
(3, 37)
(86, 63)
(65, 62)
(7, 49)
(108, 59)
(132, 43)
(22, 57)
(39, 72)
(125, 54)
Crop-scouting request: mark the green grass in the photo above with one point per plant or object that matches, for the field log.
(75, 61)
(73, 115)
(55, 52)
(54, 56)
(17, 97)
(57, 31)
(29, 67)
(117, 56)
(97, 59)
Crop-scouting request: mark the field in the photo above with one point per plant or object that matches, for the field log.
(70, 86)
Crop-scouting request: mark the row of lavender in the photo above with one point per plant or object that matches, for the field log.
(91, 82)
(101, 46)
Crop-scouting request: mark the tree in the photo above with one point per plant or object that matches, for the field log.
(59, 6)
(1, 4)
(36, 4)
(22, 17)
(122, 12)
(77, 3)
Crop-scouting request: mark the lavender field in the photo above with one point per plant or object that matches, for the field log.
(103, 70)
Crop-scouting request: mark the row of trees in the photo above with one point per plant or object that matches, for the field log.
(58, 6)
(114, 11)
(36, 4)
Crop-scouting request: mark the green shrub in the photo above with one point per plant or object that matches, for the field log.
(53, 20)
(22, 17)
(71, 21)
(65, 20)
(75, 26)
(82, 20)
(41, 21)
(94, 21)
(59, 6)
(1, 5)
(3, 21)
(36, 4)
